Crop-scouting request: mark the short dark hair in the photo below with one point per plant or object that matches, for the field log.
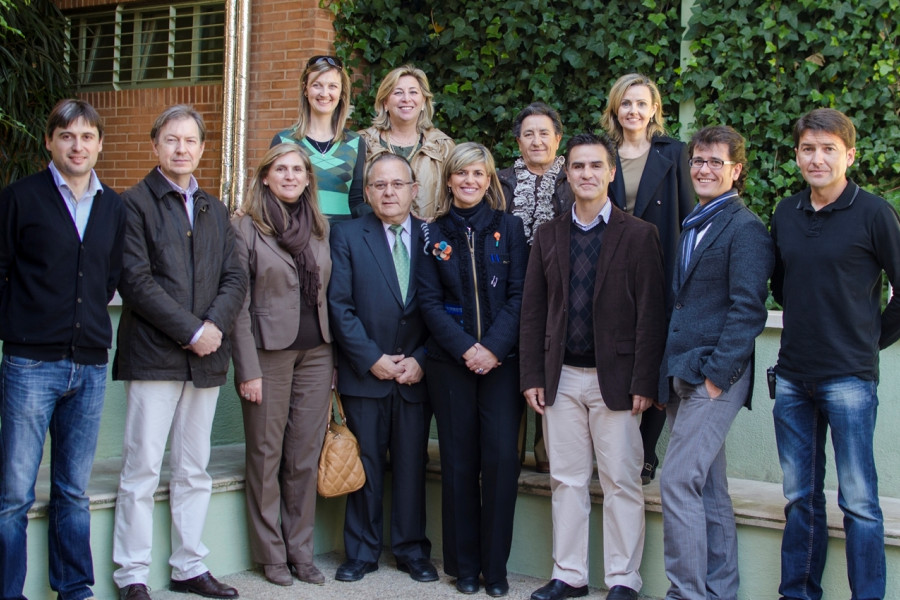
(384, 156)
(828, 120)
(69, 110)
(178, 112)
(537, 109)
(592, 139)
(722, 134)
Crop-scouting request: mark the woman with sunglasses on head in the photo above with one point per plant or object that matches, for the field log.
(402, 125)
(283, 361)
(653, 183)
(338, 155)
(470, 293)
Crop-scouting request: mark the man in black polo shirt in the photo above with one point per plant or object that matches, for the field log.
(833, 241)
(61, 235)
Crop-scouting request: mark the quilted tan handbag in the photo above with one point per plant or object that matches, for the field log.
(340, 468)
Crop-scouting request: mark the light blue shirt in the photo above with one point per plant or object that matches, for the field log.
(187, 194)
(603, 216)
(79, 208)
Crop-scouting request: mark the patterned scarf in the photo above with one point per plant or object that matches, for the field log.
(694, 223)
(532, 203)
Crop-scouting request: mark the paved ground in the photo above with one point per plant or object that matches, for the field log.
(387, 583)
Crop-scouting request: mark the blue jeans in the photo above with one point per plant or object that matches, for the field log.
(67, 399)
(803, 412)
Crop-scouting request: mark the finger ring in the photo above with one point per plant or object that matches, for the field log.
(246, 396)
(480, 371)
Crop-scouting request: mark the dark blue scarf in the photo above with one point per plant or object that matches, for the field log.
(694, 223)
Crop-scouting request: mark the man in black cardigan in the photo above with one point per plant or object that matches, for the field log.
(61, 236)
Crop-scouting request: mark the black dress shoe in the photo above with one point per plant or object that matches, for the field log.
(354, 570)
(204, 585)
(420, 569)
(620, 592)
(135, 591)
(467, 585)
(557, 590)
(648, 473)
(498, 589)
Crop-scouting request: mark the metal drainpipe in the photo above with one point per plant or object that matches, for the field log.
(234, 102)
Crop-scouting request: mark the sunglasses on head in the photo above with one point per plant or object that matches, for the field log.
(334, 61)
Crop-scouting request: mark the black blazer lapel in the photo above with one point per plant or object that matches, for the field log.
(375, 238)
(415, 241)
(653, 176)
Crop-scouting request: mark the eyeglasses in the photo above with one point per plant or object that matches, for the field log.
(714, 163)
(334, 61)
(398, 186)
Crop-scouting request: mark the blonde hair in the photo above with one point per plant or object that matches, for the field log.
(341, 113)
(610, 121)
(382, 120)
(463, 155)
(256, 203)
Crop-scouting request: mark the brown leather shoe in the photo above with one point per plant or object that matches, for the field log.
(204, 585)
(135, 591)
(278, 574)
(309, 573)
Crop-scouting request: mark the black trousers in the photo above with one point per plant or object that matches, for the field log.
(478, 426)
(381, 425)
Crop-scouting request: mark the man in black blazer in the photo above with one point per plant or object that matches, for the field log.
(380, 338)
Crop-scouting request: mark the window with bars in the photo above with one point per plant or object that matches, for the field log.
(128, 46)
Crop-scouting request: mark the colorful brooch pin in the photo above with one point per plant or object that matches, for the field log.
(497, 237)
(442, 251)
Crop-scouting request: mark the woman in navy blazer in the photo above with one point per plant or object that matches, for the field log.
(653, 183)
(470, 294)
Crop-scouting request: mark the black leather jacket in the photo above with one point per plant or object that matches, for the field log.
(174, 278)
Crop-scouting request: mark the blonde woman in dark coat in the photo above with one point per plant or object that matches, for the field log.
(283, 360)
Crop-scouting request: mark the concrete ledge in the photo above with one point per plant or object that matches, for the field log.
(226, 466)
(756, 503)
(758, 508)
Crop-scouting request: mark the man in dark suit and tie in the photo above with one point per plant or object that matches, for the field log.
(380, 338)
(591, 338)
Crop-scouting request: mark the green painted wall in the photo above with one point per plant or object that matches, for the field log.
(751, 444)
(751, 455)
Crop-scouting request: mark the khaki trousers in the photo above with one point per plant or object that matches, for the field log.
(577, 427)
(156, 408)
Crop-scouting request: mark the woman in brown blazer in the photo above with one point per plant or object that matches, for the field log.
(283, 359)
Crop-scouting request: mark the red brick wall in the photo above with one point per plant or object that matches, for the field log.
(284, 34)
(128, 116)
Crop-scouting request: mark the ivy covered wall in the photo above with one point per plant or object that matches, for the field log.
(753, 65)
(757, 66)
